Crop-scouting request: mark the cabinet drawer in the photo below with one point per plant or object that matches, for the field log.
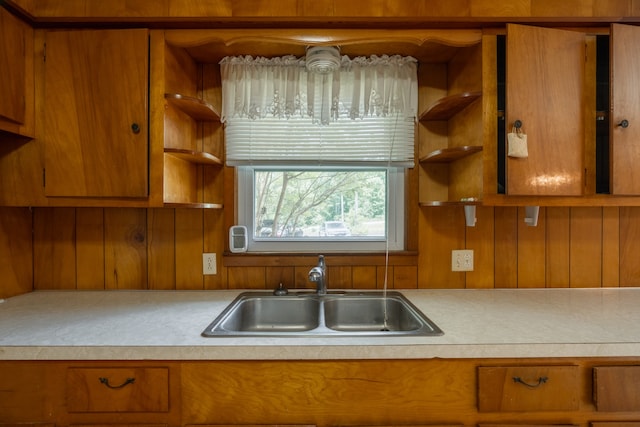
(616, 388)
(528, 388)
(118, 389)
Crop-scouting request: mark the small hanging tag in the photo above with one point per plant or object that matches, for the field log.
(517, 143)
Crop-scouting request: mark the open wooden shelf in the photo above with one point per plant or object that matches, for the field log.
(450, 203)
(447, 107)
(194, 205)
(194, 107)
(447, 155)
(199, 157)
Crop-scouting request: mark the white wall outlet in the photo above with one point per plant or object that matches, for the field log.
(462, 260)
(209, 265)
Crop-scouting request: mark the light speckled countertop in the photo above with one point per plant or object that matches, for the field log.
(166, 325)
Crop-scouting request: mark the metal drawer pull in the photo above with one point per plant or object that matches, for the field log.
(128, 381)
(541, 381)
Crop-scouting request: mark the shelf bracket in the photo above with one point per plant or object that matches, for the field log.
(531, 215)
(470, 215)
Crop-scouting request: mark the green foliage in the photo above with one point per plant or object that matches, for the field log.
(297, 202)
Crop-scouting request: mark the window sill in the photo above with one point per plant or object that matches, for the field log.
(252, 259)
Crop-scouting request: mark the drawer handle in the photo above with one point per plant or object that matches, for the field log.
(128, 381)
(541, 381)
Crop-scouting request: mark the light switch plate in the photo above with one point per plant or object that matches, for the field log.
(462, 260)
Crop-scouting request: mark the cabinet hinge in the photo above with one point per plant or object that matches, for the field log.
(44, 177)
(44, 52)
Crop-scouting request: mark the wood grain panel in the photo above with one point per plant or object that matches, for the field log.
(385, 275)
(213, 229)
(339, 277)
(506, 247)
(364, 277)
(189, 245)
(180, 8)
(90, 248)
(16, 251)
(441, 231)
(625, 105)
(481, 239)
(161, 248)
(505, 9)
(54, 250)
(613, 8)
(125, 248)
(528, 388)
(546, 69)
(247, 277)
(111, 389)
(405, 277)
(27, 388)
(610, 246)
(277, 275)
(327, 393)
(531, 251)
(616, 388)
(629, 246)
(13, 39)
(563, 8)
(95, 90)
(557, 235)
(586, 247)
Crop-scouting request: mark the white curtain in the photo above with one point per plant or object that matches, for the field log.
(282, 88)
(277, 113)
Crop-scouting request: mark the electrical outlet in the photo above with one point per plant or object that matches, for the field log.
(209, 263)
(462, 260)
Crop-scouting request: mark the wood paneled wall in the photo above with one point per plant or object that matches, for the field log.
(135, 248)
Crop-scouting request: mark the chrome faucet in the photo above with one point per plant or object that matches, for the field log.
(318, 274)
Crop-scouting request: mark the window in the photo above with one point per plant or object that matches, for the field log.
(322, 209)
(320, 157)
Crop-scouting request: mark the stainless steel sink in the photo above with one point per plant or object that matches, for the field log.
(352, 313)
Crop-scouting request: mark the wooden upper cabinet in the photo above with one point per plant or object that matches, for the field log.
(16, 44)
(545, 87)
(625, 109)
(12, 64)
(96, 113)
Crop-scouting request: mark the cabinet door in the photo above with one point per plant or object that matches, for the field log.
(95, 128)
(528, 388)
(13, 33)
(625, 106)
(118, 389)
(616, 388)
(545, 78)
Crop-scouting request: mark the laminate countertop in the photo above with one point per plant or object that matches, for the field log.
(167, 325)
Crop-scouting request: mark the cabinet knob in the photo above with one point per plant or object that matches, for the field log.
(624, 123)
(135, 128)
(517, 124)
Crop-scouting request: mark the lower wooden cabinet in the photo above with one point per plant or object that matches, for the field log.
(616, 388)
(528, 388)
(132, 389)
(541, 392)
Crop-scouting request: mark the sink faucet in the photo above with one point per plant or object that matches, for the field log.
(318, 274)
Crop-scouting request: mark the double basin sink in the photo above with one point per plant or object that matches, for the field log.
(352, 313)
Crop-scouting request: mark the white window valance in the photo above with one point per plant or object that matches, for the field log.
(276, 111)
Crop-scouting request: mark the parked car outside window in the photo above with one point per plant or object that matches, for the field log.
(335, 228)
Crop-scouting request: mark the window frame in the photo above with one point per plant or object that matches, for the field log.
(395, 209)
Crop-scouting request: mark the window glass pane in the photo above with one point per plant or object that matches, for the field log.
(302, 204)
